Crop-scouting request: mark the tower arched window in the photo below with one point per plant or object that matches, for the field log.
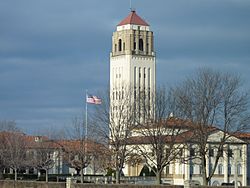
(141, 44)
(120, 45)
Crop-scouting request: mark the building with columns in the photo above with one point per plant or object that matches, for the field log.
(186, 167)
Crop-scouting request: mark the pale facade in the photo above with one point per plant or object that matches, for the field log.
(233, 163)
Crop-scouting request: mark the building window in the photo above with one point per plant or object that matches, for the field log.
(239, 169)
(192, 152)
(180, 169)
(191, 169)
(230, 153)
(124, 46)
(141, 44)
(240, 153)
(180, 152)
(210, 168)
(216, 183)
(229, 169)
(115, 47)
(120, 45)
(220, 169)
(167, 169)
(211, 152)
(200, 169)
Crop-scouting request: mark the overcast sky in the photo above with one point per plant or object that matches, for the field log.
(51, 51)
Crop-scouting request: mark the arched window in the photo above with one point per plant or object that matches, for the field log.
(120, 45)
(141, 44)
(215, 183)
(220, 169)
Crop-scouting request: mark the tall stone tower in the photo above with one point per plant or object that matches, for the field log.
(132, 64)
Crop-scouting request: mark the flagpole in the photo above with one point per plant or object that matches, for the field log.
(86, 126)
(86, 117)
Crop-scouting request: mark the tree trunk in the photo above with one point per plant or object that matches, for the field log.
(204, 180)
(158, 178)
(204, 171)
(82, 179)
(15, 171)
(117, 177)
(47, 179)
(204, 176)
(1, 174)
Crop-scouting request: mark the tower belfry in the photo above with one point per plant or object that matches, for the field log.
(132, 62)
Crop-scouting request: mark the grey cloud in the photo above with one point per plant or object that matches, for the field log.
(52, 51)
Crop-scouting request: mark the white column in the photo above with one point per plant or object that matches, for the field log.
(244, 165)
(187, 165)
(208, 163)
(225, 165)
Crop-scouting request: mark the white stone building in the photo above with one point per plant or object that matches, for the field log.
(187, 168)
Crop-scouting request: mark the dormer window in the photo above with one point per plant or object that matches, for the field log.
(38, 139)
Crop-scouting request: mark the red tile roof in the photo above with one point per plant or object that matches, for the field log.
(243, 135)
(133, 18)
(185, 137)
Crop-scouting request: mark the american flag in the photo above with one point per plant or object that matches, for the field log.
(93, 99)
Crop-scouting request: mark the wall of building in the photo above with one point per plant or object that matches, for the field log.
(22, 184)
(30, 184)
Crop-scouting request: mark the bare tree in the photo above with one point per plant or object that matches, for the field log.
(6, 127)
(101, 158)
(76, 151)
(14, 155)
(2, 149)
(115, 121)
(9, 126)
(159, 139)
(43, 154)
(212, 99)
